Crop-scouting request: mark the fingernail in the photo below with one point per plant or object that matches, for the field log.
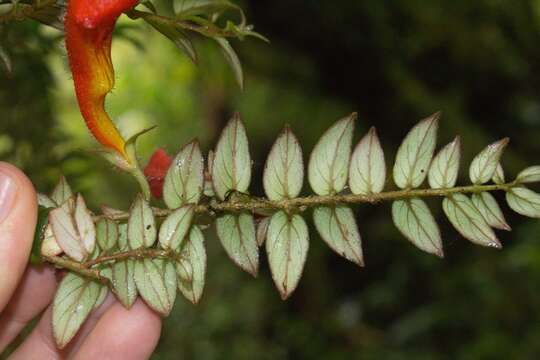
(8, 190)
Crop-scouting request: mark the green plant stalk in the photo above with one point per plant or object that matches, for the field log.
(254, 204)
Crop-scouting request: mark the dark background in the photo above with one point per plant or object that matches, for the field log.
(394, 62)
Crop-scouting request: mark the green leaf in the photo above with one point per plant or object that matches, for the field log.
(284, 170)
(85, 225)
(74, 300)
(498, 177)
(187, 8)
(529, 175)
(39, 234)
(490, 210)
(151, 285)
(169, 277)
(106, 234)
(338, 229)
(232, 59)
(45, 201)
(415, 153)
(367, 172)
(444, 168)
(123, 280)
(141, 224)
(231, 170)
(149, 5)
(468, 221)
(287, 246)
(185, 178)
(484, 165)
(329, 162)
(177, 36)
(195, 254)
(262, 230)
(237, 235)
(175, 227)
(103, 289)
(524, 201)
(49, 246)
(73, 228)
(62, 192)
(123, 243)
(414, 220)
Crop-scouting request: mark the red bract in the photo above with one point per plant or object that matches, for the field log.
(156, 170)
(88, 30)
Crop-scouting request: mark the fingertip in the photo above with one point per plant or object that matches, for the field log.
(18, 206)
(135, 333)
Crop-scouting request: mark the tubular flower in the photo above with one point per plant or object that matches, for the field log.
(88, 31)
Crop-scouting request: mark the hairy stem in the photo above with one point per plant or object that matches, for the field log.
(255, 204)
(85, 268)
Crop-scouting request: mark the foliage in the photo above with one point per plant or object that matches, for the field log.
(156, 263)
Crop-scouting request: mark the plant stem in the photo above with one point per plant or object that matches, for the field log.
(85, 268)
(255, 204)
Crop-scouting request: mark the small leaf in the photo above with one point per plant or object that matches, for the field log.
(462, 213)
(329, 162)
(169, 277)
(485, 164)
(529, 175)
(177, 36)
(237, 235)
(498, 177)
(74, 300)
(184, 270)
(106, 234)
(175, 227)
(151, 286)
(262, 230)
(367, 172)
(123, 243)
(284, 170)
(49, 246)
(141, 224)
(524, 201)
(123, 281)
(195, 254)
(103, 289)
(490, 210)
(233, 60)
(61, 192)
(287, 247)
(338, 229)
(414, 220)
(415, 153)
(444, 168)
(185, 178)
(45, 201)
(111, 212)
(85, 225)
(231, 169)
(65, 231)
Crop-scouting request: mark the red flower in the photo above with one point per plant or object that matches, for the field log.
(88, 27)
(155, 171)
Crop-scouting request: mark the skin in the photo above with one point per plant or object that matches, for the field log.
(88, 34)
(26, 292)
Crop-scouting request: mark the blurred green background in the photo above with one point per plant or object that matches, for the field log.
(394, 62)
